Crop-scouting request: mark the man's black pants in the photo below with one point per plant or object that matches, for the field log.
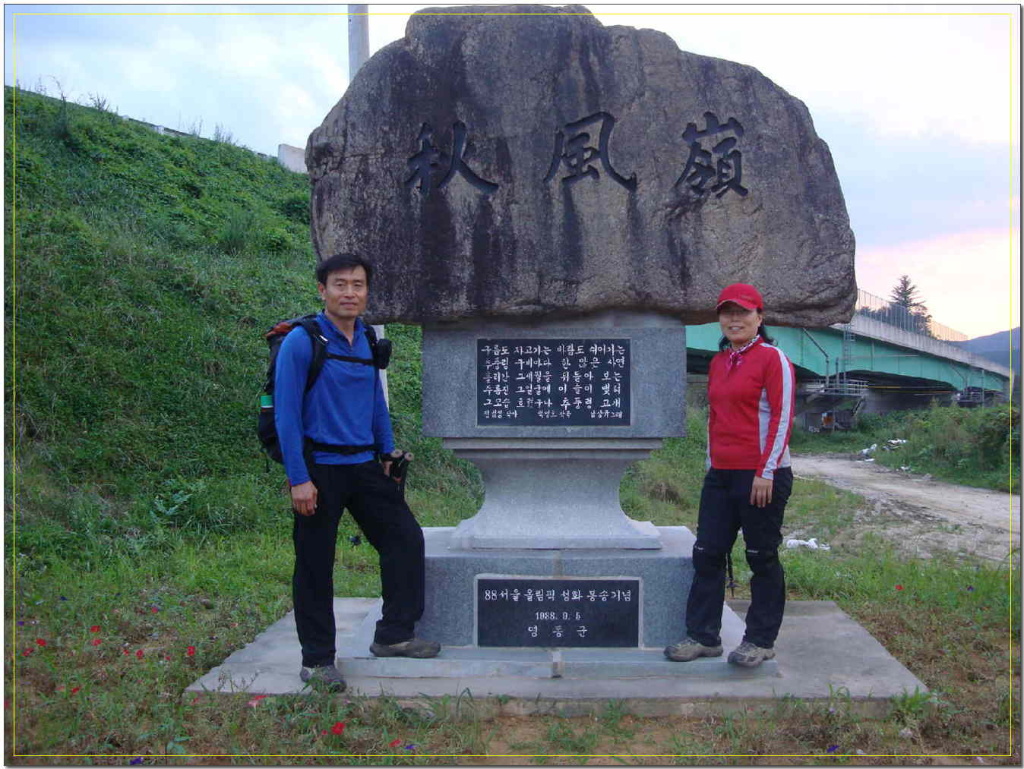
(725, 509)
(379, 509)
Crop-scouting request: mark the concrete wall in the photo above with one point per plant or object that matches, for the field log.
(292, 158)
(884, 401)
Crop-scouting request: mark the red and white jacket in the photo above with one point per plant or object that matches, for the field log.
(750, 409)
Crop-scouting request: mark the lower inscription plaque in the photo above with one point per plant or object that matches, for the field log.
(522, 611)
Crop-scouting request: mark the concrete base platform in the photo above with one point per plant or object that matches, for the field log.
(821, 652)
(486, 664)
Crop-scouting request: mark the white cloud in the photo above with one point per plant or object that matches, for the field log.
(968, 280)
(246, 54)
(330, 74)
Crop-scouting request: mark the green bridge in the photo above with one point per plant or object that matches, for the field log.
(868, 366)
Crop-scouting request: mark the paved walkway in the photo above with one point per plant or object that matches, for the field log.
(821, 652)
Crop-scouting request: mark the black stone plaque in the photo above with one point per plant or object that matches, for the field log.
(521, 611)
(552, 382)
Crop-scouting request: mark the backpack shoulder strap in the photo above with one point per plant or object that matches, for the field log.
(371, 338)
(371, 334)
(319, 342)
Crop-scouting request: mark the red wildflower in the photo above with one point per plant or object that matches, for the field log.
(96, 641)
(125, 652)
(256, 700)
(76, 690)
(394, 743)
(27, 651)
(338, 728)
(154, 609)
(190, 651)
(94, 629)
(139, 654)
(40, 642)
(899, 587)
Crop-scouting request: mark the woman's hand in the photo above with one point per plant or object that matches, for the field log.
(761, 491)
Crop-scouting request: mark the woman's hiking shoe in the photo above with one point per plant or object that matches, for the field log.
(414, 647)
(324, 677)
(747, 655)
(688, 649)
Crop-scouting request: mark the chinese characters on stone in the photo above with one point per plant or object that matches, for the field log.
(431, 162)
(576, 156)
(727, 171)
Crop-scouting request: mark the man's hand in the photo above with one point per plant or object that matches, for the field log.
(761, 491)
(387, 467)
(304, 498)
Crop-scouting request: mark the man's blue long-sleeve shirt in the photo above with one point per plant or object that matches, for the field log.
(344, 407)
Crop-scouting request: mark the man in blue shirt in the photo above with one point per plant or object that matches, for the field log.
(330, 438)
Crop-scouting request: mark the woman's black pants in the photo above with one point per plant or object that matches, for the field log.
(378, 507)
(725, 509)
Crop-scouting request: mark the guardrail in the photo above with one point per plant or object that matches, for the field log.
(854, 388)
(906, 318)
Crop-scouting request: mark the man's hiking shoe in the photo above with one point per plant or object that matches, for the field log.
(688, 649)
(325, 677)
(414, 647)
(747, 655)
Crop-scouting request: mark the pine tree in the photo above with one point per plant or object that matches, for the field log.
(907, 309)
(904, 293)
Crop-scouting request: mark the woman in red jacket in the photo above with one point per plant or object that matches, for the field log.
(751, 385)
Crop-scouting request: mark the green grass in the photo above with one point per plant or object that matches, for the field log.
(142, 271)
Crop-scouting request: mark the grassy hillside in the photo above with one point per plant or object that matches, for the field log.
(142, 270)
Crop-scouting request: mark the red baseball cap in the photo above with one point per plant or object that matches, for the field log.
(743, 294)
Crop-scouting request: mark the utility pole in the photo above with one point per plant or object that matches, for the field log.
(358, 53)
(358, 38)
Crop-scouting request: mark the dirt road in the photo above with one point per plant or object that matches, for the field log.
(921, 515)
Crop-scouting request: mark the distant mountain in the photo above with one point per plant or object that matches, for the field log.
(996, 347)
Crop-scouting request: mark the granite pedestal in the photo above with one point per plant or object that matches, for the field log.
(665, 576)
(553, 412)
(552, 472)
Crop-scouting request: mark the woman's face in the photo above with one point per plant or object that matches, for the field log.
(739, 325)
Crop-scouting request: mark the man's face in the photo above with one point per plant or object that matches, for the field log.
(345, 294)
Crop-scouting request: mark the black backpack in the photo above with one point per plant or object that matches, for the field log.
(266, 430)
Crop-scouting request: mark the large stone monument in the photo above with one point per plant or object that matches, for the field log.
(553, 200)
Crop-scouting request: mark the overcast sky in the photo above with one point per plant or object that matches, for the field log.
(918, 104)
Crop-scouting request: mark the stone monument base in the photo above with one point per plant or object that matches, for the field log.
(664, 582)
(481, 668)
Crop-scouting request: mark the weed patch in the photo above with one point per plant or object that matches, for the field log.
(970, 446)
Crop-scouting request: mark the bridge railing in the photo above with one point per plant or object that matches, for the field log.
(906, 318)
(855, 388)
